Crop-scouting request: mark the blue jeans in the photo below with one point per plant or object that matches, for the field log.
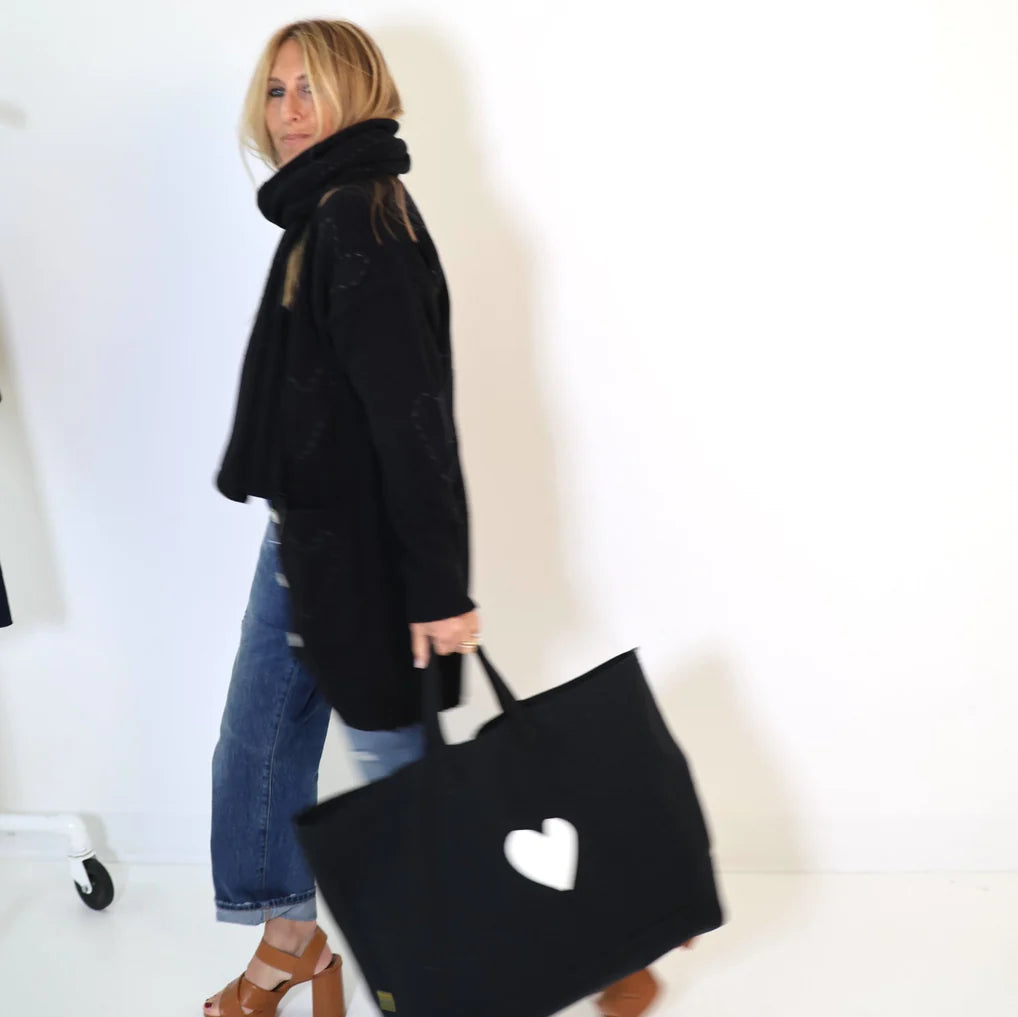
(265, 764)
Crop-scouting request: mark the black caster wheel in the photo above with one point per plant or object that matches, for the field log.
(102, 885)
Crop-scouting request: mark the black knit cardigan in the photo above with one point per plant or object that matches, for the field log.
(365, 466)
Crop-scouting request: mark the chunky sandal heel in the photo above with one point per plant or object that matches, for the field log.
(327, 990)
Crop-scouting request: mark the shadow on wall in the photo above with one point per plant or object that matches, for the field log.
(518, 576)
(12, 116)
(748, 806)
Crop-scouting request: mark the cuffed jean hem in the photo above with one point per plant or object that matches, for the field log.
(301, 907)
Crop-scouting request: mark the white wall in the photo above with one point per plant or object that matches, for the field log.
(734, 309)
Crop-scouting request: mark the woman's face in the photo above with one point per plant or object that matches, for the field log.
(289, 114)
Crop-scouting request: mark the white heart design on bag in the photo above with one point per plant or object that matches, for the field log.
(549, 858)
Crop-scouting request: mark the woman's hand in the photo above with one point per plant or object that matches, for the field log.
(448, 636)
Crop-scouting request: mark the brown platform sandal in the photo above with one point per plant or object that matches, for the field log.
(326, 986)
(629, 997)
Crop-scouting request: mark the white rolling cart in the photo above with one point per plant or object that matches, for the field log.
(93, 882)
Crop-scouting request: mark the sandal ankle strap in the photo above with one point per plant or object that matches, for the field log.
(300, 969)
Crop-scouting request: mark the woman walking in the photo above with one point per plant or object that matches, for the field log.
(344, 425)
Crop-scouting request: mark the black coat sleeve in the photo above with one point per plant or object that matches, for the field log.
(398, 361)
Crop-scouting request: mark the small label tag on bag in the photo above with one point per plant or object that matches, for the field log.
(386, 1002)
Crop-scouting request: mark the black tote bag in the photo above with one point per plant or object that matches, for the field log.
(511, 875)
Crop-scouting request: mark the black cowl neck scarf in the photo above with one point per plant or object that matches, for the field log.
(251, 465)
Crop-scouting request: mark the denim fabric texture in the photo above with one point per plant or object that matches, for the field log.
(265, 763)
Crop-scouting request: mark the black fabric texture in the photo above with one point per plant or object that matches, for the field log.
(345, 423)
(5, 607)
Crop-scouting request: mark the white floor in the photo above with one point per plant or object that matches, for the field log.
(795, 946)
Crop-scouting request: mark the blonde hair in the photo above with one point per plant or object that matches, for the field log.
(348, 74)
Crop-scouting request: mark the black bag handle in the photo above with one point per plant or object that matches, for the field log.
(431, 700)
